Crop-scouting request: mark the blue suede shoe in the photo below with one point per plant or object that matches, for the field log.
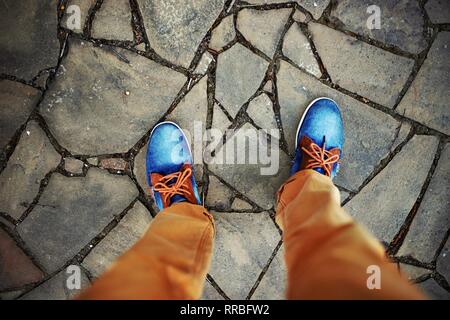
(320, 137)
(169, 166)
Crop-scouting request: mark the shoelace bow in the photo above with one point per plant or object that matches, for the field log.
(320, 158)
(180, 186)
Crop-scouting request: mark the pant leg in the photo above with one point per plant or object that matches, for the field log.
(169, 262)
(327, 254)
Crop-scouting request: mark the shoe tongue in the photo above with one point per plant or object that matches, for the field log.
(177, 198)
(319, 170)
(307, 142)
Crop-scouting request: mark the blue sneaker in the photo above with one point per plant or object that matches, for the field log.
(169, 166)
(320, 137)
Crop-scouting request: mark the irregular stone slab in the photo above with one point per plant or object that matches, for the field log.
(17, 100)
(204, 63)
(32, 159)
(16, 268)
(198, 174)
(218, 194)
(380, 75)
(175, 30)
(273, 284)
(257, 181)
(220, 120)
(223, 34)
(370, 133)
(402, 23)
(412, 272)
(190, 115)
(93, 161)
(264, 28)
(244, 243)
(300, 17)
(6, 222)
(438, 11)
(129, 230)
(433, 290)
(315, 7)
(344, 196)
(113, 21)
(68, 20)
(41, 80)
(210, 293)
(399, 185)
(433, 217)
(426, 101)
(297, 48)
(239, 204)
(10, 295)
(140, 47)
(73, 165)
(56, 288)
(239, 74)
(71, 212)
(443, 262)
(268, 87)
(140, 171)
(88, 108)
(31, 43)
(260, 110)
(403, 133)
(118, 164)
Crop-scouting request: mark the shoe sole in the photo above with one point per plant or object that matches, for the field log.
(304, 115)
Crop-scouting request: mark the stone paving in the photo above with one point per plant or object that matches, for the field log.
(77, 105)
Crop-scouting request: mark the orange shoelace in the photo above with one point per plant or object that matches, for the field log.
(320, 158)
(180, 186)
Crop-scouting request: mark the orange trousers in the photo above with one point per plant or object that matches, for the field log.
(327, 254)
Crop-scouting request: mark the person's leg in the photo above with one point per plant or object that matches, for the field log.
(172, 259)
(169, 262)
(328, 255)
